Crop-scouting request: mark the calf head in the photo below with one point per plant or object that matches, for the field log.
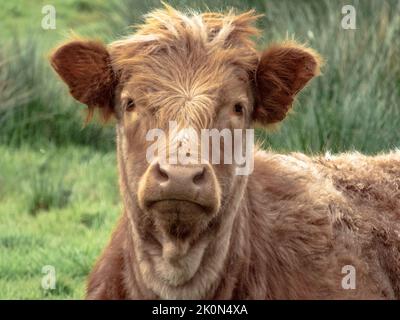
(196, 72)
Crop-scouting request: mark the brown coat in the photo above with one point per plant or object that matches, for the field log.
(298, 227)
(300, 221)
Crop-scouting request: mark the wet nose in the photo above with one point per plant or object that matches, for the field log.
(189, 177)
(195, 183)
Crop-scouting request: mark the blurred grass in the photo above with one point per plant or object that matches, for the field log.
(64, 232)
(58, 183)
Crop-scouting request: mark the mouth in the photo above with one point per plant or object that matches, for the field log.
(178, 206)
(179, 218)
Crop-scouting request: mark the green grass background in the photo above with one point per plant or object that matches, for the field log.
(58, 182)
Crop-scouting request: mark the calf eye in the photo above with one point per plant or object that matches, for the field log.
(238, 108)
(130, 105)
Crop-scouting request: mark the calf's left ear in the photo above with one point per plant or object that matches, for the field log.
(85, 66)
(283, 70)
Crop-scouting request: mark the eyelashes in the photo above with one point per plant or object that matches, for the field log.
(130, 105)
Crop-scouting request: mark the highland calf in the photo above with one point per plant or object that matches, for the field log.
(200, 231)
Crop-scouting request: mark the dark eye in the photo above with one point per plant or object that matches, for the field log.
(238, 108)
(130, 105)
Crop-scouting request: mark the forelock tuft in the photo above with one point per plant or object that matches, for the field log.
(163, 28)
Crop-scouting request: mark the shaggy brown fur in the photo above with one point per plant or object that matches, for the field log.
(284, 232)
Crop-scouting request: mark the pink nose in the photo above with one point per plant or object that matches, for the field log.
(191, 177)
(165, 185)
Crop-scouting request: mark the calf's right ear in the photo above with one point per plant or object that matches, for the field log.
(85, 66)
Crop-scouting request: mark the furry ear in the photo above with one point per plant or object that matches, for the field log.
(85, 66)
(283, 70)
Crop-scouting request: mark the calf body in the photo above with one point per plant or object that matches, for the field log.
(204, 229)
(299, 222)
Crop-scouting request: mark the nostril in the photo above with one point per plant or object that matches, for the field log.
(199, 177)
(162, 174)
